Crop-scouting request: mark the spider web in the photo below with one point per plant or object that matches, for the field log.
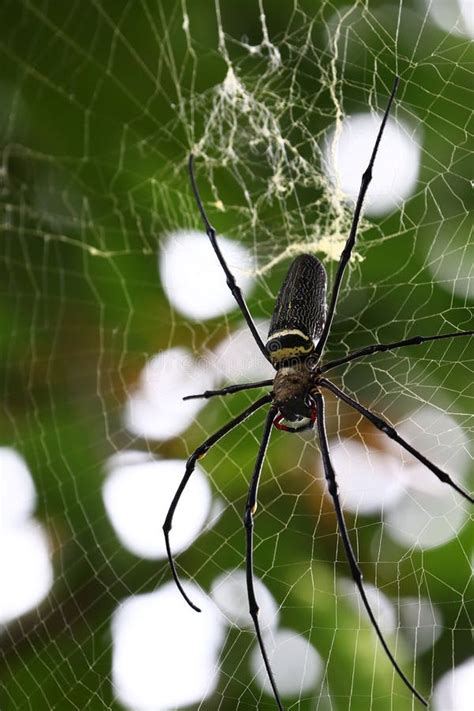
(101, 105)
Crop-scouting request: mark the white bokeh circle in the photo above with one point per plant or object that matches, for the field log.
(193, 279)
(382, 606)
(422, 623)
(426, 519)
(453, 16)
(237, 358)
(17, 491)
(229, 592)
(26, 571)
(164, 655)
(137, 495)
(455, 690)
(369, 480)
(419, 509)
(440, 438)
(395, 172)
(295, 663)
(25, 568)
(430, 513)
(156, 409)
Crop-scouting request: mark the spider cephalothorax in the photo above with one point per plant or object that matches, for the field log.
(298, 333)
(291, 392)
(293, 396)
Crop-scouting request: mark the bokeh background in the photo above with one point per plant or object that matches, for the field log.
(112, 308)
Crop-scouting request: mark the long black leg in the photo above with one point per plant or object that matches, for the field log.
(346, 253)
(190, 464)
(250, 507)
(383, 347)
(231, 283)
(385, 427)
(230, 389)
(355, 570)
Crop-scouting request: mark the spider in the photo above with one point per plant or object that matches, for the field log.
(299, 330)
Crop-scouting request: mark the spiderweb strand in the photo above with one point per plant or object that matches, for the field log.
(385, 427)
(346, 253)
(190, 464)
(355, 570)
(384, 347)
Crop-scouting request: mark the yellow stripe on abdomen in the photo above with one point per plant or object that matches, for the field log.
(286, 344)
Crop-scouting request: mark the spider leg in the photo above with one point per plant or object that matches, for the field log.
(190, 464)
(231, 283)
(390, 431)
(230, 389)
(248, 522)
(355, 570)
(346, 253)
(383, 347)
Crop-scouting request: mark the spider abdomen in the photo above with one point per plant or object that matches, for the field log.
(300, 311)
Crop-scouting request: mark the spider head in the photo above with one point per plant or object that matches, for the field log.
(295, 409)
(291, 389)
